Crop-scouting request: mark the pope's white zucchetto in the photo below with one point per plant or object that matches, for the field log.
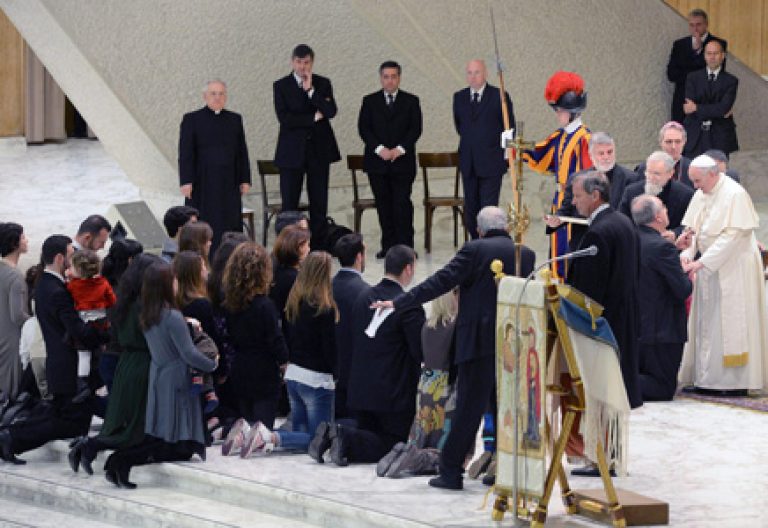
(703, 162)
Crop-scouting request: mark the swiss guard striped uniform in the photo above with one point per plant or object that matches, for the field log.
(563, 153)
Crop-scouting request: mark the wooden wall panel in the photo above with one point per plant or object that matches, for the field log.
(11, 79)
(743, 23)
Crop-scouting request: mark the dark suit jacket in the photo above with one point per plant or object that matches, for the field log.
(675, 195)
(664, 287)
(619, 178)
(470, 270)
(61, 326)
(682, 61)
(611, 278)
(347, 287)
(296, 114)
(385, 369)
(681, 171)
(713, 100)
(480, 133)
(380, 125)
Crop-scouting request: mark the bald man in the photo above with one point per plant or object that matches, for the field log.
(479, 122)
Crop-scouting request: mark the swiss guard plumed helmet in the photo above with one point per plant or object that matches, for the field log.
(565, 91)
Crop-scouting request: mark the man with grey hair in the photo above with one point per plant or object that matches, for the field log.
(659, 168)
(214, 170)
(672, 140)
(475, 355)
(664, 287)
(727, 335)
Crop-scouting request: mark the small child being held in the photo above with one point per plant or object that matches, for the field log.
(93, 295)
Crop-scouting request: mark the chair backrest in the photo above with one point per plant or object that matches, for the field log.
(354, 164)
(439, 160)
(266, 168)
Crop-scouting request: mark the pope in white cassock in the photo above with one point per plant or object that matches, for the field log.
(727, 335)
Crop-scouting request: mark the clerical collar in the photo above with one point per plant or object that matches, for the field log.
(217, 112)
(596, 212)
(55, 274)
(479, 92)
(571, 127)
(716, 72)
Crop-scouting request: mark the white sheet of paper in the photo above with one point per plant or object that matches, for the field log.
(378, 318)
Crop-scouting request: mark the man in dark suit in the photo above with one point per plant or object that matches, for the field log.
(304, 105)
(672, 140)
(602, 152)
(61, 326)
(384, 374)
(214, 170)
(664, 287)
(688, 56)
(610, 277)
(479, 122)
(348, 284)
(390, 124)
(475, 331)
(710, 94)
(658, 182)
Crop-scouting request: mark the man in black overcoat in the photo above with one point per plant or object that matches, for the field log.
(688, 56)
(479, 122)
(664, 287)
(384, 372)
(390, 124)
(475, 357)
(214, 170)
(304, 105)
(710, 94)
(658, 182)
(611, 276)
(602, 152)
(61, 327)
(348, 284)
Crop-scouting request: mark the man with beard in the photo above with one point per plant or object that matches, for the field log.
(658, 182)
(602, 151)
(672, 139)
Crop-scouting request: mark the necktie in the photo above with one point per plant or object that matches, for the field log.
(711, 77)
(390, 100)
(476, 97)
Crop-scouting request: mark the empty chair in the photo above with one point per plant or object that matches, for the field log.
(441, 160)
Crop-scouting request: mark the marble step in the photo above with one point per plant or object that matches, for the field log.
(50, 485)
(206, 482)
(16, 514)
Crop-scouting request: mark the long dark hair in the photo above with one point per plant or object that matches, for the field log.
(116, 262)
(219, 262)
(156, 294)
(129, 288)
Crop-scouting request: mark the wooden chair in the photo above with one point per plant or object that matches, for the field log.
(441, 160)
(269, 210)
(354, 164)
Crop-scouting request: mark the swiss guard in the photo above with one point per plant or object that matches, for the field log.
(565, 151)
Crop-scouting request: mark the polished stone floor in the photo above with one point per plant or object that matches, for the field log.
(707, 461)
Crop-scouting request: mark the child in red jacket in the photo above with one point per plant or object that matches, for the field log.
(92, 295)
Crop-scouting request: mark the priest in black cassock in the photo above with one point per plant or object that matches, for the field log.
(214, 170)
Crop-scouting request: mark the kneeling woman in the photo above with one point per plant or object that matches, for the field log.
(174, 427)
(311, 315)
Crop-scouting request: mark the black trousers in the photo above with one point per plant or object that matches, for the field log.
(659, 365)
(292, 180)
(376, 433)
(53, 420)
(479, 192)
(152, 450)
(476, 386)
(262, 409)
(392, 191)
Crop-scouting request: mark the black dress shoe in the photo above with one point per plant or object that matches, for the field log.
(74, 456)
(6, 449)
(320, 442)
(489, 480)
(87, 455)
(122, 479)
(446, 483)
(111, 476)
(590, 470)
(338, 448)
